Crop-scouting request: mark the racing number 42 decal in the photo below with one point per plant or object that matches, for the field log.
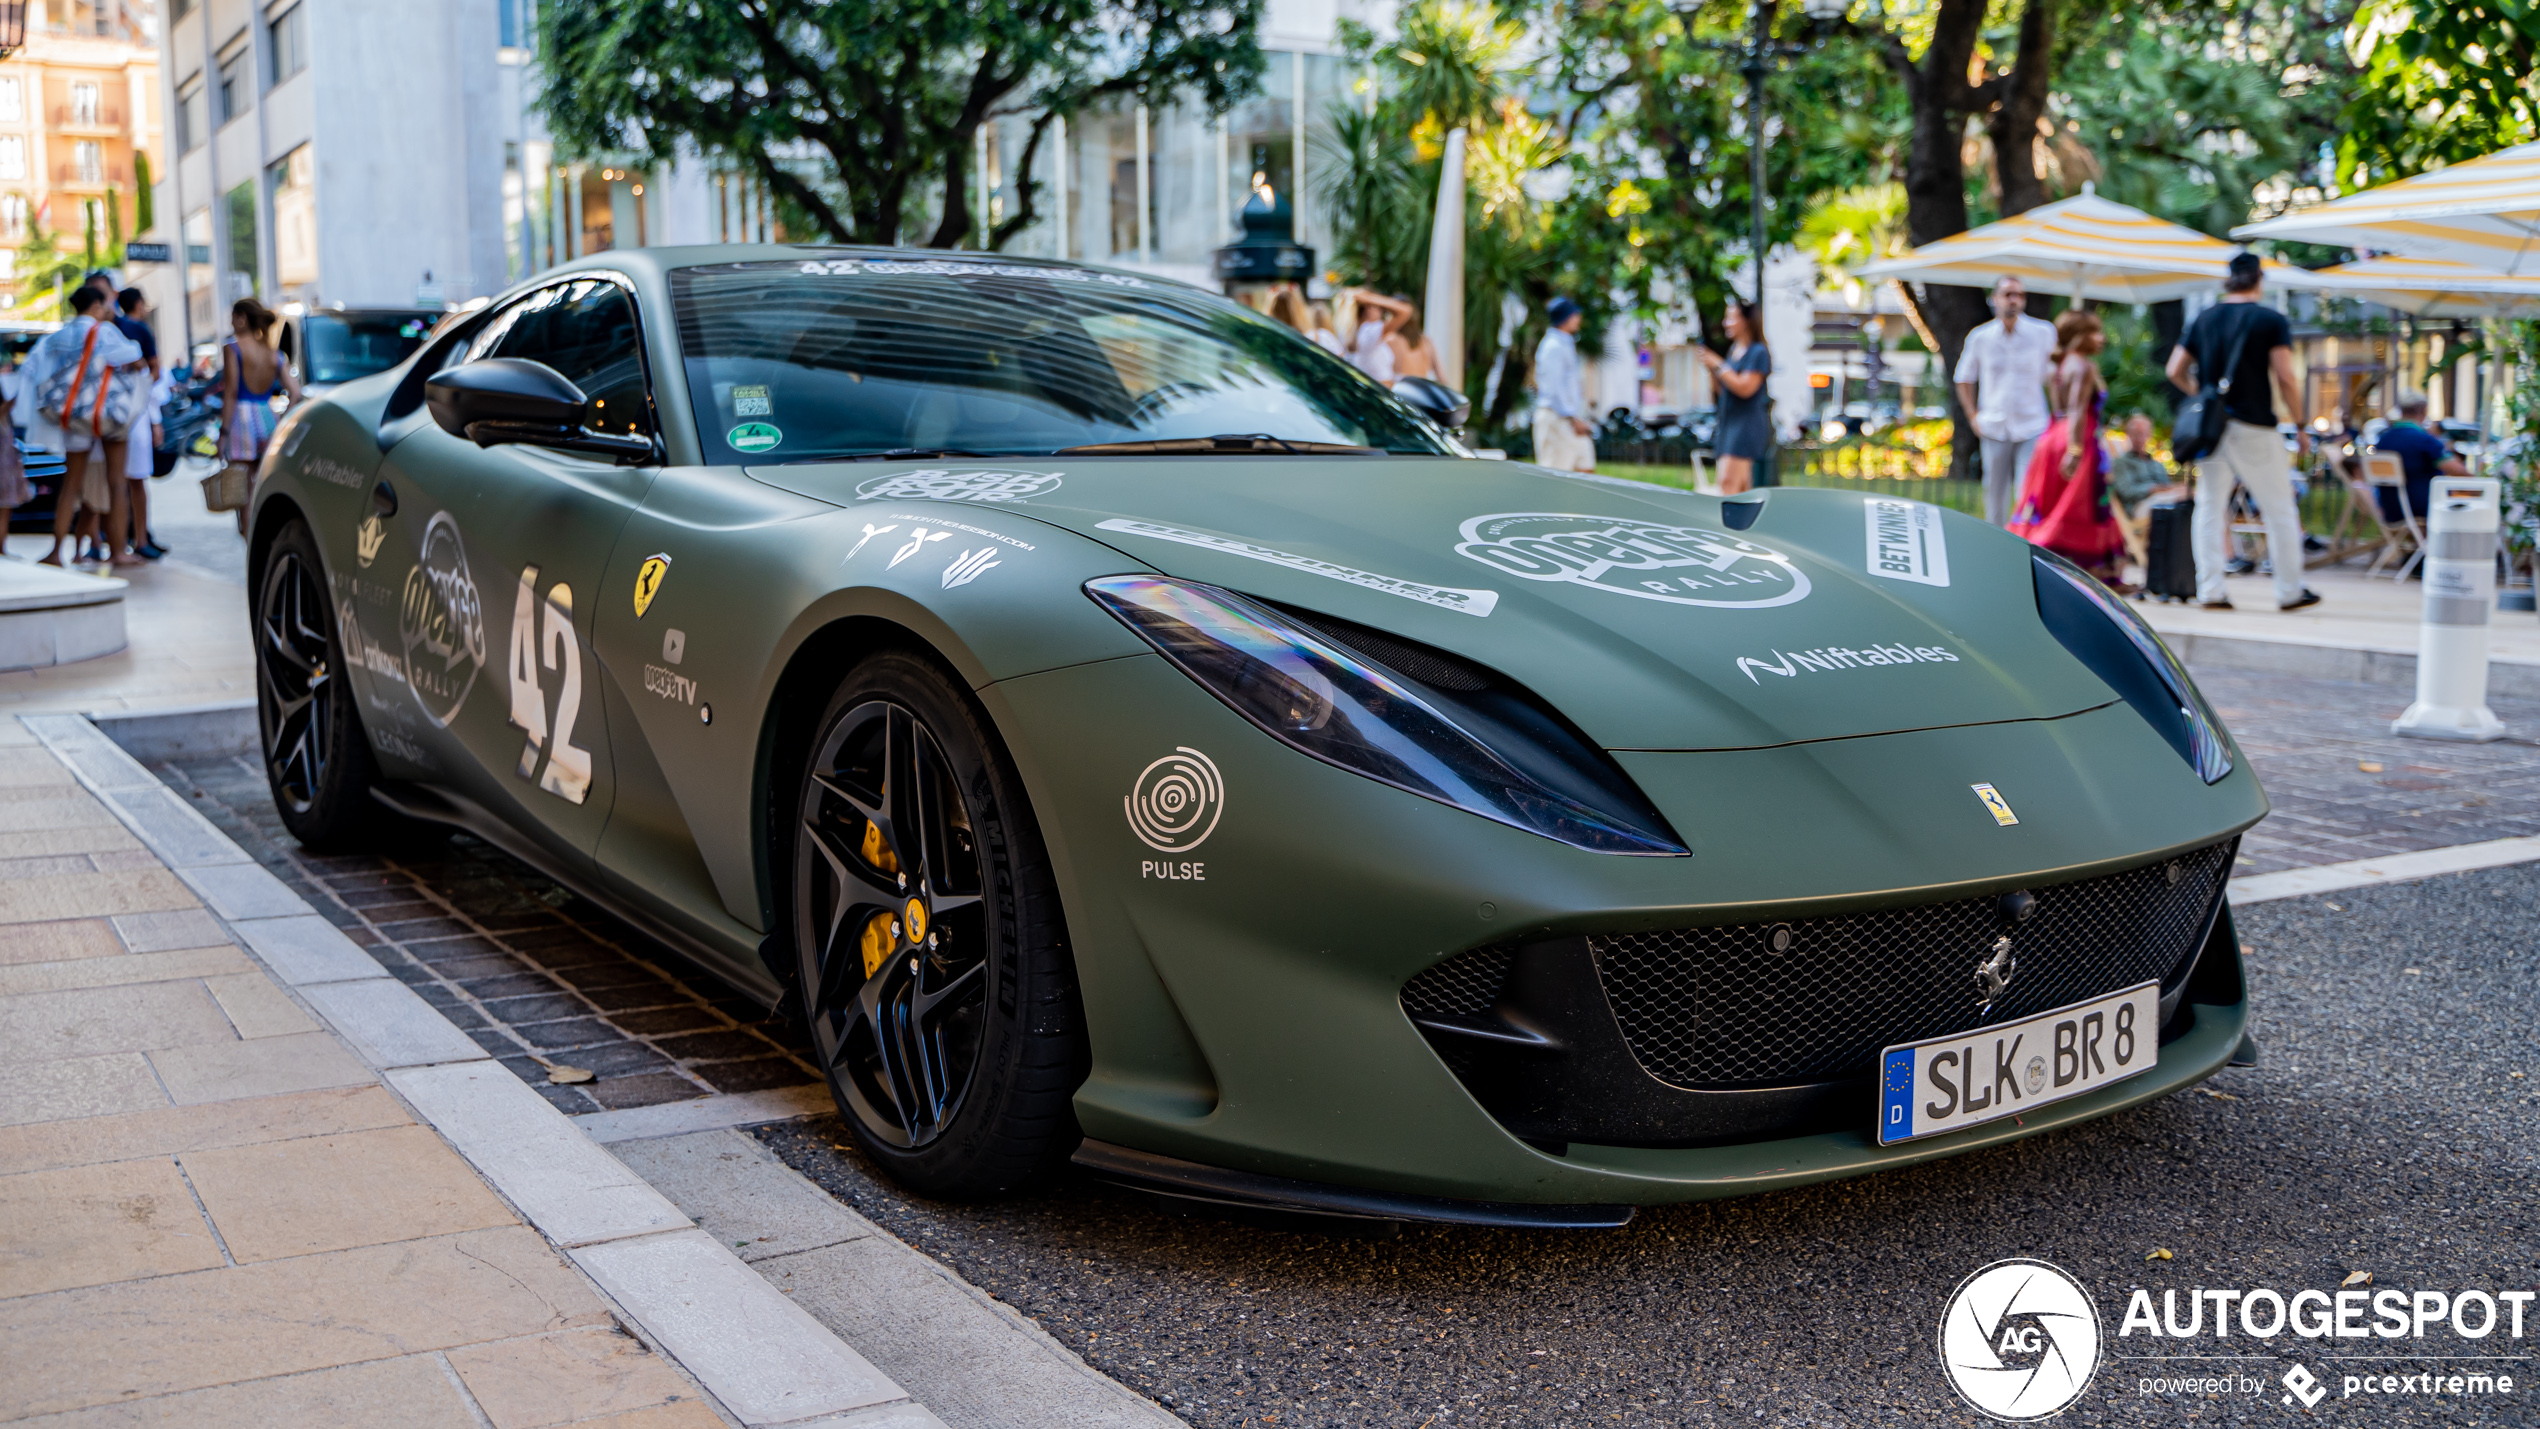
(568, 772)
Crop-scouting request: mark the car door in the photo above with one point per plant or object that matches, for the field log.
(508, 547)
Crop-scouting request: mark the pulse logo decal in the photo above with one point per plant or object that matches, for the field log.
(1173, 807)
(969, 566)
(2019, 1340)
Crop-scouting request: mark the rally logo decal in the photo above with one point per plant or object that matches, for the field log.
(1681, 565)
(994, 487)
(442, 623)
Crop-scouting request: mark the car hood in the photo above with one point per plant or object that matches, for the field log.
(1638, 610)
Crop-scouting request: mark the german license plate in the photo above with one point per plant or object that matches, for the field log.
(1969, 1078)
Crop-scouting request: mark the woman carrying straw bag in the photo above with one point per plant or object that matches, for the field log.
(251, 373)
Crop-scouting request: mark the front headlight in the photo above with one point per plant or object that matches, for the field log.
(1413, 718)
(2105, 634)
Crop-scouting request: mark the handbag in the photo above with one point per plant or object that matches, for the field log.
(2198, 432)
(114, 399)
(227, 489)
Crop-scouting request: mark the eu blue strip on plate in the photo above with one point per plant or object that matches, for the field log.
(1896, 1095)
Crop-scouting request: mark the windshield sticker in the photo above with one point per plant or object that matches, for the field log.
(970, 566)
(1681, 565)
(994, 487)
(751, 402)
(441, 623)
(938, 268)
(753, 437)
(1906, 541)
(1471, 602)
(1844, 657)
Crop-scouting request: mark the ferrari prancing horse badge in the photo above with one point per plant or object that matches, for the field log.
(648, 581)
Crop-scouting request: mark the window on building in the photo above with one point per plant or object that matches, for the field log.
(84, 105)
(12, 156)
(244, 270)
(190, 128)
(293, 182)
(179, 9)
(235, 86)
(88, 160)
(13, 214)
(198, 269)
(507, 21)
(12, 99)
(287, 35)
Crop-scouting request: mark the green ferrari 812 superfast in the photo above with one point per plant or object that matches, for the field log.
(1128, 734)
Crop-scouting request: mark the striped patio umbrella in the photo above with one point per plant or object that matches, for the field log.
(2432, 288)
(2084, 246)
(2485, 213)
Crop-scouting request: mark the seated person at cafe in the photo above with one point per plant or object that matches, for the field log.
(2137, 476)
(2422, 456)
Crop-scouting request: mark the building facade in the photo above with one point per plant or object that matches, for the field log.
(80, 134)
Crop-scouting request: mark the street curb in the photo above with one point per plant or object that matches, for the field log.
(764, 1358)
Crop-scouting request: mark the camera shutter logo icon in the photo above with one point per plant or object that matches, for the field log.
(2019, 1340)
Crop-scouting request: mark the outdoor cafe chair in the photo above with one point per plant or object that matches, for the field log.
(2382, 471)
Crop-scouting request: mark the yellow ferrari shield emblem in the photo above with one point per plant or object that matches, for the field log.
(1994, 803)
(648, 581)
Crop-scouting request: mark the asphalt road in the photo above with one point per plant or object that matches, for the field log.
(2394, 1127)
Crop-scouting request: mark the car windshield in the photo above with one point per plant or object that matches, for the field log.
(812, 359)
(344, 346)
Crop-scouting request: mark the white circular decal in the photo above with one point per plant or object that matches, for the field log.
(1175, 804)
(1681, 565)
(2019, 1340)
(441, 623)
(989, 486)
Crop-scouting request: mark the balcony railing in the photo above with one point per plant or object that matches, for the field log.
(78, 116)
(81, 176)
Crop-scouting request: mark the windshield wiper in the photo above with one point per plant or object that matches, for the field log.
(903, 454)
(1226, 444)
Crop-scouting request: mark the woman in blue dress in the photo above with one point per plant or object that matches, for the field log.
(1744, 435)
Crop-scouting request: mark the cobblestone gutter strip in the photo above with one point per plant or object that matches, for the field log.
(534, 973)
(765, 1358)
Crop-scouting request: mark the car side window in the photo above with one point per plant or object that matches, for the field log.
(586, 330)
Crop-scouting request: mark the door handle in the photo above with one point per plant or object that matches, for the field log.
(383, 499)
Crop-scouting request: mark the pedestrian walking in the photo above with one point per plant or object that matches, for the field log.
(2245, 348)
(1743, 435)
(251, 373)
(2422, 457)
(141, 445)
(2001, 381)
(2064, 503)
(65, 403)
(1562, 433)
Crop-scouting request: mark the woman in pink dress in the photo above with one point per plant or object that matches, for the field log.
(2064, 503)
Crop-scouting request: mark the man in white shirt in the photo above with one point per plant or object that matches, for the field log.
(2001, 380)
(1563, 435)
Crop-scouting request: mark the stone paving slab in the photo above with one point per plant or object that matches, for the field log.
(2311, 742)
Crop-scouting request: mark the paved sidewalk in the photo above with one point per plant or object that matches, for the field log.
(213, 1213)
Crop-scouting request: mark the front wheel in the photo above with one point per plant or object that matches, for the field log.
(934, 967)
(317, 759)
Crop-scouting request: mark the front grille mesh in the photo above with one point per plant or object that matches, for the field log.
(1463, 986)
(1718, 1007)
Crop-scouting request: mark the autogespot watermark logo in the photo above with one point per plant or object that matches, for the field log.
(2019, 1340)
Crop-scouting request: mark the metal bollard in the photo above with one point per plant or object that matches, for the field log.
(2460, 589)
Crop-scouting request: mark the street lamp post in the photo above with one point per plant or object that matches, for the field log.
(1757, 56)
(12, 27)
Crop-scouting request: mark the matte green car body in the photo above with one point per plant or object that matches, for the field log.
(1242, 997)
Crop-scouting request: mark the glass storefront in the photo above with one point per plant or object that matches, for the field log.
(293, 180)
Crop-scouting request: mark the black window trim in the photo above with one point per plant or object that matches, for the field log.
(432, 358)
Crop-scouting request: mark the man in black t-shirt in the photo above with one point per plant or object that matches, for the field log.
(2251, 452)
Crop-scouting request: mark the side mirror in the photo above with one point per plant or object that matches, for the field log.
(1434, 400)
(500, 400)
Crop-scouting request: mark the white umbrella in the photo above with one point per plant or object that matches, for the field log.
(1444, 318)
(2485, 213)
(2432, 288)
(2084, 246)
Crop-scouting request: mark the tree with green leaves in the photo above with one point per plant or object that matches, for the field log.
(2442, 81)
(855, 116)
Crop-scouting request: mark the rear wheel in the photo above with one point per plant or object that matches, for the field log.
(934, 969)
(317, 758)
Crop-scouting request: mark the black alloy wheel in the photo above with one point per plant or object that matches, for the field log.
(317, 757)
(933, 973)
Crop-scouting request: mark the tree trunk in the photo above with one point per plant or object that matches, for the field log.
(2013, 124)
